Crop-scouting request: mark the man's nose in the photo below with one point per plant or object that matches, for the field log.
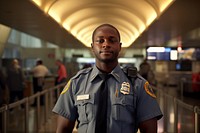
(106, 42)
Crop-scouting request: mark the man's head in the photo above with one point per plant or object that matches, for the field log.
(109, 25)
(106, 44)
(15, 63)
(39, 62)
(58, 62)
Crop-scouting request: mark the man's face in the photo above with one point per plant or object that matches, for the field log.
(106, 45)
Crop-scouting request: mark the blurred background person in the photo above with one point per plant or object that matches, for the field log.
(40, 71)
(61, 73)
(15, 81)
(146, 72)
(2, 87)
(144, 69)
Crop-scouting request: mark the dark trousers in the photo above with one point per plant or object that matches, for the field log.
(37, 87)
(15, 94)
(63, 80)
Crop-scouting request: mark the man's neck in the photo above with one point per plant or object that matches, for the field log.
(106, 67)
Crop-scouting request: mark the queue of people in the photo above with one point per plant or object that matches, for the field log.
(14, 82)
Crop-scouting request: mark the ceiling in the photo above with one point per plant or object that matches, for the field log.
(174, 23)
(180, 22)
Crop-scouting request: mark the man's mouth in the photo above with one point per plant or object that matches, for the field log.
(106, 52)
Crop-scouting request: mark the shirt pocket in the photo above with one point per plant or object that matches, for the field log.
(85, 109)
(123, 108)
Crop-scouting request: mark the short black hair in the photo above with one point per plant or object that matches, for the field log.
(109, 25)
(39, 61)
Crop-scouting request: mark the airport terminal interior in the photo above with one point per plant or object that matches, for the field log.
(164, 33)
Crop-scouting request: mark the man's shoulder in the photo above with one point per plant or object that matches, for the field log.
(82, 72)
(133, 74)
(130, 72)
(43, 67)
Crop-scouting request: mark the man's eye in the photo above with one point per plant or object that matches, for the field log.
(113, 40)
(100, 41)
(110, 40)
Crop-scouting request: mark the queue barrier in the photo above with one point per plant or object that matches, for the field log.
(49, 103)
(178, 105)
(26, 102)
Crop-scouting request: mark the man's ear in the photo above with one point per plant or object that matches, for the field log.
(91, 45)
(120, 46)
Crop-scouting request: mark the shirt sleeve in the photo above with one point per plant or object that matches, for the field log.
(65, 104)
(147, 105)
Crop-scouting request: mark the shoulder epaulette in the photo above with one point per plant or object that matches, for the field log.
(83, 71)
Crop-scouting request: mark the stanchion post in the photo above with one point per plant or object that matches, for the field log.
(165, 113)
(26, 115)
(38, 111)
(175, 116)
(5, 119)
(46, 107)
(50, 98)
(196, 122)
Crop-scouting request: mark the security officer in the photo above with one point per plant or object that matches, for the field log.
(124, 106)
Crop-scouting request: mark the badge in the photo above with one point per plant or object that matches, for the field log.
(149, 89)
(66, 87)
(125, 89)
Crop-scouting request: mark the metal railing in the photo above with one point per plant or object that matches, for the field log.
(49, 103)
(177, 106)
(26, 102)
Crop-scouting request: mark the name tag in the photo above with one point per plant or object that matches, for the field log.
(83, 97)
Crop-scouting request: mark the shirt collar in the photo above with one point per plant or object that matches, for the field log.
(115, 72)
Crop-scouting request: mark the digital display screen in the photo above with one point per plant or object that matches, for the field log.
(158, 53)
(171, 53)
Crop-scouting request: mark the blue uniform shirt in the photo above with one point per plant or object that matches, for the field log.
(128, 105)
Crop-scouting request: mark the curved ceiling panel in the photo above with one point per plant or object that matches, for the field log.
(81, 17)
(81, 23)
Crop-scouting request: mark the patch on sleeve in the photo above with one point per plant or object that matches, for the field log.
(66, 87)
(149, 90)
